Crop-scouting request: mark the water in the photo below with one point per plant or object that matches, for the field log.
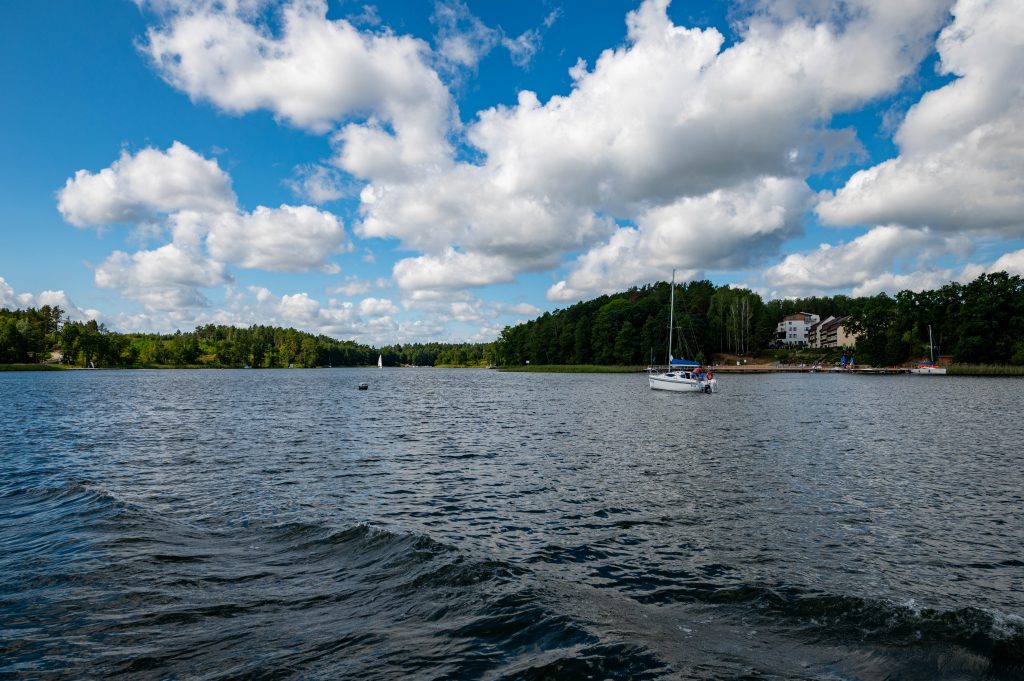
(475, 524)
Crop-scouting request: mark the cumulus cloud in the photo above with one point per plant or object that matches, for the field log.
(370, 322)
(452, 270)
(377, 307)
(894, 283)
(354, 286)
(424, 330)
(10, 299)
(138, 187)
(166, 278)
(520, 309)
(721, 230)
(863, 264)
(189, 196)
(313, 73)
(671, 150)
(961, 146)
(470, 207)
(285, 239)
(672, 116)
(1011, 263)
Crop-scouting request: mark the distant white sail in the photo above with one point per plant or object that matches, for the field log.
(380, 361)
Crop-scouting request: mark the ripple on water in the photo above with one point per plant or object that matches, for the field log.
(478, 524)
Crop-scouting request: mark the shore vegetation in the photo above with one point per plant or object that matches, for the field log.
(978, 324)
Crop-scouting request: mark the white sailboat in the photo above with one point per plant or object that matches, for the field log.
(683, 375)
(930, 367)
(380, 361)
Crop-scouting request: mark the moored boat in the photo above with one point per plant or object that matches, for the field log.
(926, 368)
(683, 375)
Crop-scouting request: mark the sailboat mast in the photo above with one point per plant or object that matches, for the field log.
(671, 317)
(931, 345)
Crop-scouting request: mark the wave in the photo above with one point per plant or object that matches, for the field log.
(148, 595)
(997, 637)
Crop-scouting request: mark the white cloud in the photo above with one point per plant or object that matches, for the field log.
(961, 146)
(377, 307)
(285, 239)
(313, 73)
(7, 296)
(462, 39)
(337, 319)
(12, 300)
(669, 118)
(452, 270)
(166, 278)
(135, 188)
(673, 114)
(864, 264)
(721, 230)
(422, 330)
(521, 309)
(368, 17)
(318, 184)
(207, 230)
(468, 206)
(523, 47)
(1011, 263)
(354, 286)
(300, 309)
(894, 283)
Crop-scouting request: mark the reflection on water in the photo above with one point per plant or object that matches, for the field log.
(475, 523)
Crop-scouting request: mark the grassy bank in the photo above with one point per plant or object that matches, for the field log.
(32, 367)
(985, 370)
(574, 369)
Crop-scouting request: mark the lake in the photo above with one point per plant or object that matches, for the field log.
(477, 524)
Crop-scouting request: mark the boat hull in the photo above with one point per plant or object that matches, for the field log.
(929, 371)
(682, 385)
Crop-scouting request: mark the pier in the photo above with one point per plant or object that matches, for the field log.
(789, 369)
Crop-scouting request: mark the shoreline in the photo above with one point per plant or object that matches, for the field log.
(984, 370)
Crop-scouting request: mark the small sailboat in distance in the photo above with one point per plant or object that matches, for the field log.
(930, 367)
(380, 361)
(682, 375)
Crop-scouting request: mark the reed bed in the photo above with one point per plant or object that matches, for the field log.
(985, 370)
(31, 367)
(574, 369)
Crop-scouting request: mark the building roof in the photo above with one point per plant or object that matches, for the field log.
(830, 324)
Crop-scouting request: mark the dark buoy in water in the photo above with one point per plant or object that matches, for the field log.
(364, 386)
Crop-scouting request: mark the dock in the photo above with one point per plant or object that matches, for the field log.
(788, 369)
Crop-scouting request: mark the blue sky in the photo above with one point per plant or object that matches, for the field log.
(396, 171)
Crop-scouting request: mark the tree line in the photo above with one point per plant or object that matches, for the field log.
(632, 327)
(979, 322)
(34, 335)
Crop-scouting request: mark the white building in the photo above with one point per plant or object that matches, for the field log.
(792, 330)
(831, 332)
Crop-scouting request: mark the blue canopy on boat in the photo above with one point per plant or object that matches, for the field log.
(685, 363)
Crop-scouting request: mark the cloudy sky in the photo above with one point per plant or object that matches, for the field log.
(397, 171)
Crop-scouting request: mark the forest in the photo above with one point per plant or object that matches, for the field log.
(33, 335)
(980, 322)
